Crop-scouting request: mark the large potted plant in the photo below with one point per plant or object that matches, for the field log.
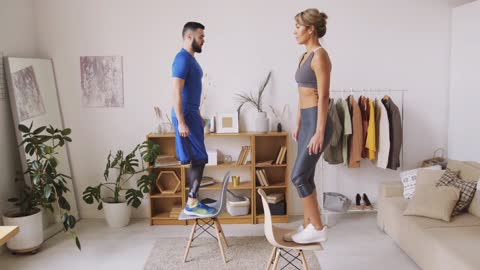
(113, 195)
(45, 189)
(256, 100)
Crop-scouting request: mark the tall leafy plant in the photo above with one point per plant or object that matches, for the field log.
(129, 167)
(47, 187)
(254, 99)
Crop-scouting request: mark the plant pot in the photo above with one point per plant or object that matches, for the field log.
(261, 122)
(117, 215)
(30, 236)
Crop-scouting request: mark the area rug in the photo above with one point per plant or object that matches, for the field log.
(245, 253)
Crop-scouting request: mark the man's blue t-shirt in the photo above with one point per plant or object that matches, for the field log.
(186, 67)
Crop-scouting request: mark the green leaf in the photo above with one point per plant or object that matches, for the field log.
(47, 191)
(134, 197)
(100, 206)
(39, 130)
(23, 128)
(71, 221)
(66, 131)
(77, 242)
(68, 139)
(63, 203)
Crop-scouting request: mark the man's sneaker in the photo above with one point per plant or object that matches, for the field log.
(200, 210)
(288, 236)
(310, 235)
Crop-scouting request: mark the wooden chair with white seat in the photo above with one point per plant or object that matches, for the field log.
(275, 234)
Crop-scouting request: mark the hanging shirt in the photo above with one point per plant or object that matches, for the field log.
(371, 144)
(333, 152)
(364, 110)
(356, 140)
(396, 134)
(383, 135)
(345, 119)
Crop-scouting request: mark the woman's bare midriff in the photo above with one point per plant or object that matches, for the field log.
(308, 97)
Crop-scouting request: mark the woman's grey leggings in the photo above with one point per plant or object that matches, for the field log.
(304, 168)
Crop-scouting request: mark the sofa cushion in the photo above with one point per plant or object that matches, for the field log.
(409, 180)
(397, 205)
(467, 190)
(468, 170)
(456, 248)
(433, 202)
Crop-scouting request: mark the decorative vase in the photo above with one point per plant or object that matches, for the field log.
(30, 236)
(261, 122)
(117, 215)
(279, 127)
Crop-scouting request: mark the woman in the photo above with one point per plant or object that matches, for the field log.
(314, 128)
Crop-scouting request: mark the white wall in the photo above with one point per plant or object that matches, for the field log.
(463, 129)
(372, 43)
(17, 38)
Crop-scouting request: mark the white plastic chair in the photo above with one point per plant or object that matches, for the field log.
(281, 248)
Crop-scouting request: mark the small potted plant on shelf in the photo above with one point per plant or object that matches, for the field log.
(256, 100)
(112, 195)
(44, 187)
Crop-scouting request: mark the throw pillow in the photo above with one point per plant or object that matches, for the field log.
(467, 190)
(409, 180)
(433, 202)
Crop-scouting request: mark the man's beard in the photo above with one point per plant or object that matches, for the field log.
(196, 47)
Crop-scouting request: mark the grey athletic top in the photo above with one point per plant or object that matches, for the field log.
(305, 76)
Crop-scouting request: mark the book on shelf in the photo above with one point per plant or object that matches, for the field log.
(275, 197)
(166, 160)
(259, 178)
(280, 155)
(283, 156)
(262, 177)
(268, 162)
(242, 157)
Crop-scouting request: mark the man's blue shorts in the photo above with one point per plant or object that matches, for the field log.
(191, 149)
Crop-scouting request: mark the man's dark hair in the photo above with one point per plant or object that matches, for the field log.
(192, 26)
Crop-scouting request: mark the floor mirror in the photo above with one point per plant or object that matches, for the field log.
(34, 98)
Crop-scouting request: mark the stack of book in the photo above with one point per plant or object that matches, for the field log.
(275, 198)
(281, 155)
(166, 160)
(262, 177)
(242, 158)
(175, 212)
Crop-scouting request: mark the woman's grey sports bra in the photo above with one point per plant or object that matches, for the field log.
(305, 76)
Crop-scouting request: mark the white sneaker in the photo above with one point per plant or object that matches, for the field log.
(288, 236)
(310, 235)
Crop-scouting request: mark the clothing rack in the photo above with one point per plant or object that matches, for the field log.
(365, 92)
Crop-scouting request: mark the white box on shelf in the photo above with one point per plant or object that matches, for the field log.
(212, 156)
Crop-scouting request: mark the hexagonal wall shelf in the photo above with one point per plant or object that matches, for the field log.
(168, 182)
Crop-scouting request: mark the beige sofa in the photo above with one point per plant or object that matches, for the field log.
(433, 244)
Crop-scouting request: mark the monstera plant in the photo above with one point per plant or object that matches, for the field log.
(113, 194)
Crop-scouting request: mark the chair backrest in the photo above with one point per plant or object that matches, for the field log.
(222, 200)
(268, 227)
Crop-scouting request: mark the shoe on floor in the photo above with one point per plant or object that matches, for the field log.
(288, 236)
(200, 210)
(310, 235)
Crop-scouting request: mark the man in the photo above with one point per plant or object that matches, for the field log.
(188, 123)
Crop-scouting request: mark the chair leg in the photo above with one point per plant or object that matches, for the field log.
(220, 242)
(277, 258)
(270, 260)
(221, 232)
(304, 260)
(192, 234)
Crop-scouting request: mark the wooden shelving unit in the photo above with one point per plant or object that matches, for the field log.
(264, 147)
